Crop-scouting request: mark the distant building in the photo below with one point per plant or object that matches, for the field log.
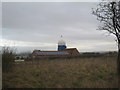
(63, 51)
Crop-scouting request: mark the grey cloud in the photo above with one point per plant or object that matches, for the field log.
(45, 22)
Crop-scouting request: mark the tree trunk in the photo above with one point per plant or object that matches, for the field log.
(118, 62)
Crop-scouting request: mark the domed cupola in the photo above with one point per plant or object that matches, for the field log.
(61, 44)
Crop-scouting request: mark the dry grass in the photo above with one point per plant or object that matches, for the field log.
(98, 72)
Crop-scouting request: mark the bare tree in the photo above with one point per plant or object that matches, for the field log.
(108, 13)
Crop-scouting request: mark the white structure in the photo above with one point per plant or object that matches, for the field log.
(61, 45)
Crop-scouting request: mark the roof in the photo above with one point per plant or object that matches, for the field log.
(72, 50)
(68, 51)
(61, 42)
(51, 53)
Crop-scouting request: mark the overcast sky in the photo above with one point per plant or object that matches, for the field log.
(32, 25)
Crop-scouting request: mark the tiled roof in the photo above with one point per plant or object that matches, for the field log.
(67, 52)
(51, 53)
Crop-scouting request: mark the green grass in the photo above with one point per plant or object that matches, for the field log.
(94, 72)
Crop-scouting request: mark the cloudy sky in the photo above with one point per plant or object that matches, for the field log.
(39, 25)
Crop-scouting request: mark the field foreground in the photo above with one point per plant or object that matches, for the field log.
(89, 72)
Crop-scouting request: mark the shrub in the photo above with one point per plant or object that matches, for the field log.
(7, 58)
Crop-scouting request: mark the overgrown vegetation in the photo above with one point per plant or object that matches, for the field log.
(89, 72)
(108, 13)
(7, 58)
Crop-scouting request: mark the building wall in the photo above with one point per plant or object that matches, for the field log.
(61, 47)
(71, 51)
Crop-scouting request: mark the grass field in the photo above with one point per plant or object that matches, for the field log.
(89, 72)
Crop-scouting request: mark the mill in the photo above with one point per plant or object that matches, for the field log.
(61, 45)
(62, 51)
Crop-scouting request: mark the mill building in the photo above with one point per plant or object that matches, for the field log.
(62, 51)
